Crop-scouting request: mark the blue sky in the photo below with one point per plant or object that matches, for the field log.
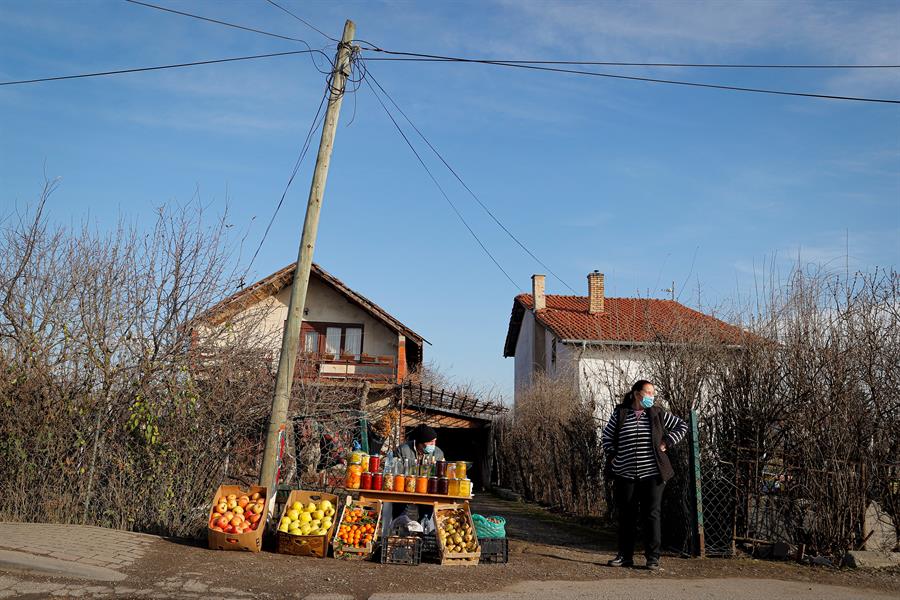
(647, 183)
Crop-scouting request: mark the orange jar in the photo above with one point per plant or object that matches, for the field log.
(399, 483)
(453, 487)
(411, 484)
(421, 485)
(353, 477)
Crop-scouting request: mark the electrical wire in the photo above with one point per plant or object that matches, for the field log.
(640, 64)
(438, 185)
(302, 20)
(635, 78)
(158, 68)
(371, 77)
(314, 126)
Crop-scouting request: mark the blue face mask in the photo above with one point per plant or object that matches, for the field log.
(429, 449)
(647, 401)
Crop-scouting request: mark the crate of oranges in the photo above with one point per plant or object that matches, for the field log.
(358, 529)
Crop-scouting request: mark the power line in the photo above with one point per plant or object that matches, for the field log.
(302, 20)
(635, 64)
(158, 68)
(303, 150)
(439, 187)
(635, 78)
(218, 22)
(463, 183)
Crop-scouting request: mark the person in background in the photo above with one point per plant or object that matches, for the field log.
(635, 441)
(421, 442)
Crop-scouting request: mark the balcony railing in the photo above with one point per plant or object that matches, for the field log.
(361, 367)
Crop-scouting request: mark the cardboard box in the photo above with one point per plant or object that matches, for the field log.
(250, 541)
(305, 545)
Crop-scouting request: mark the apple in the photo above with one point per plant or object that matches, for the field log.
(253, 518)
(237, 520)
(222, 522)
(238, 510)
(232, 497)
(229, 529)
(222, 507)
(229, 515)
(243, 501)
(255, 496)
(232, 503)
(219, 529)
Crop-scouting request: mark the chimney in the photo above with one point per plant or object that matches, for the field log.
(595, 292)
(537, 292)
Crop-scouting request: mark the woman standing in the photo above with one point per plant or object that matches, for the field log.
(635, 441)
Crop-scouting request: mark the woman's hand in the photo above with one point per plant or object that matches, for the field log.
(663, 447)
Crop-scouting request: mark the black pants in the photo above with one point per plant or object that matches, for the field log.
(639, 497)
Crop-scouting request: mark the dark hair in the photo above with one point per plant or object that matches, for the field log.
(628, 398)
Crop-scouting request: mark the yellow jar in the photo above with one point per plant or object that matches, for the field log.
(453, 487)
(460, 470)
(354, 474)
(355, 458)
(364, 461)
(465, 488)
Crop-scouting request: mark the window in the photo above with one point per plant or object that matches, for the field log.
(311, 342)
(353, 341)
(332, 338)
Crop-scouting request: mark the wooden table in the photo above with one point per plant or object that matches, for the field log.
(408, 498)
(405, 498)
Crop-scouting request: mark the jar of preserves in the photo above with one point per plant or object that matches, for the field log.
(432, 485)
(352, 479)
(388, 482)
(421, 485)
(451, 470)
(374, 464)
(364, 461)
(400, 482)
(411, 484)
(453, 487)
(365, 482)
(465, 488)
(377, 481)
(443, 486)
(355, 458)
(460, 469)
(440, 468)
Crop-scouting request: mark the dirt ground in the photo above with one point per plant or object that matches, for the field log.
(543, 547)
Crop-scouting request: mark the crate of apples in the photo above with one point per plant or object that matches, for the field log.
(237, 518)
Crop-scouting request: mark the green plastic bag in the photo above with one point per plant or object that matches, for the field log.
(489, 527)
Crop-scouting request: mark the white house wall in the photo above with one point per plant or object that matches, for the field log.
(524, 358)
(327, 306)
(605, 374)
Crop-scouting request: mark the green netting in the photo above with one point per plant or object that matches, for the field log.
(489, 527)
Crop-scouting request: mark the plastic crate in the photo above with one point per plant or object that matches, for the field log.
(401, 550)
(494, 550)
(430, 549)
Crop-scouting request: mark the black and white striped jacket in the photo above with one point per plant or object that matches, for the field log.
(634, 456)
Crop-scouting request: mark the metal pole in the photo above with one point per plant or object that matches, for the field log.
(290, 340)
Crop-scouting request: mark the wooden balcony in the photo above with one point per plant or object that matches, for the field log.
(347, 367)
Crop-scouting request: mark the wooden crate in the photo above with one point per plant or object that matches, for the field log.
(469, 559)
(305, 545)
(250, 541)
(341, 550)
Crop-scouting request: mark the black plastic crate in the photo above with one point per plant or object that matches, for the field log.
(401, 550)
(494, 550)
(430, 549)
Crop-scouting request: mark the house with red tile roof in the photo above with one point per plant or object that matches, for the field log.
(344, 336)
(601, 342)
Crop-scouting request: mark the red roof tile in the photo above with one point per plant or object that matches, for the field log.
(622, 320)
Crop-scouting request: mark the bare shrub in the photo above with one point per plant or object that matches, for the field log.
(549, 449)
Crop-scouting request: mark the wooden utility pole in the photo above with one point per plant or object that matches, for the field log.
(290, 340)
